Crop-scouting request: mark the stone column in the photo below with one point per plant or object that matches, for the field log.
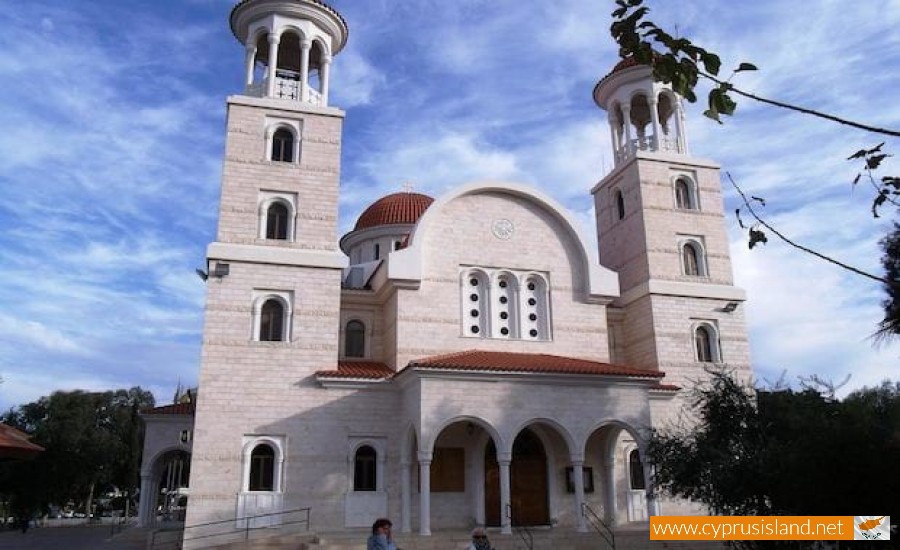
(305, 47)
(273, 64)
(405, 509)
(652, 502)
(249, 62)
(146, 504)
(578, 481)
(614, 137)
(626, 121)
(504, 461)
(424, 493)
(609, 487)
(680, 125)
(654, 121)
(324, 72)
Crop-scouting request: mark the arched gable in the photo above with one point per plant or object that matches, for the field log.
(600, 284)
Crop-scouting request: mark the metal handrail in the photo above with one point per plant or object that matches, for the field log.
(599, 525)
(246, 530)
(523, 532)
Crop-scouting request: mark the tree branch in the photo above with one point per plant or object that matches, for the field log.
(803, 110)
(799, 246)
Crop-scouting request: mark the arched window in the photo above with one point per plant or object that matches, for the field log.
(262, 468)
(475, 308)
(535, 309)
(620, 204)
(636, 470)
(283, 145)
(364, 469)
(683, 198)
(377, 251)
(505, 307)
(355, 339)
(705, 342)
(692, 259)
(271, 321)
(277, 221)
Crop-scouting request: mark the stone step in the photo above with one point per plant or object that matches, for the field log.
(629, 538)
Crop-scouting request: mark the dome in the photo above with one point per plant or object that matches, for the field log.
(394, 209)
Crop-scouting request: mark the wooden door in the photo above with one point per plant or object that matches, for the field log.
(527, 483)
(491, 487)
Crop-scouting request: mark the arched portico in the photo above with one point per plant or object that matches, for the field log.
(623, 495)
(164, 486)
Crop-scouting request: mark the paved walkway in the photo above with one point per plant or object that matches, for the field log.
(82, 537)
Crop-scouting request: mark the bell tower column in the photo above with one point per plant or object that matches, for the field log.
(661, 226)
(274, 270)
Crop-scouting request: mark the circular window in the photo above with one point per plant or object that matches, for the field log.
(474, 313)
(503, 299)
(532, 302)
(504, 331)
(504, 315)
(502, 284)
(531, 286)
(475, 329)
(532, 317)
(473, 281)
(473, 297)
(533, 333)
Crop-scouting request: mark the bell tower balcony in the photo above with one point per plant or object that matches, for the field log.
(288, 48)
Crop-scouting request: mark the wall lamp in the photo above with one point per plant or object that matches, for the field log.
(218, 271)
(730, 307)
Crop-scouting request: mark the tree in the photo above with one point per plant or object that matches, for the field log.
(92, 442)
(682, 64)
(782, 452)
(890, 260)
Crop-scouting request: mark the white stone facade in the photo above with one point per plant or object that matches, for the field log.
(286, 419)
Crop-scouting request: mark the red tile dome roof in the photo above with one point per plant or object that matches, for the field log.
(394, 209)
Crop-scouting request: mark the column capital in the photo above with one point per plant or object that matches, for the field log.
(305, 44)
(325, 58)
(504, 458)
(424, 456)
(274, 38)
(577, 460)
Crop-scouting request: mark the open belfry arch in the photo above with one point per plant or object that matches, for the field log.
(465, 359)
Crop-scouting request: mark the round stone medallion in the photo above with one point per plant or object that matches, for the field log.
(503, 229)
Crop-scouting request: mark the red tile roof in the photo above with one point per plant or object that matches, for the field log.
(497, 361)
(15, 444)
(177, 408)
(396, 208)
(358, 369)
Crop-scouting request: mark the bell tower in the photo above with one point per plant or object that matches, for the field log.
(661, 226)
(274, 270)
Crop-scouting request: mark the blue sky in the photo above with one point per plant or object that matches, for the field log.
(112, 118)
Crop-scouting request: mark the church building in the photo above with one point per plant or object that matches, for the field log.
(460, 360)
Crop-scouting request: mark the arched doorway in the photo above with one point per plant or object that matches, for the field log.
(527, 482)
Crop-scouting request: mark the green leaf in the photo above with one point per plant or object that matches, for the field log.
(857, 155)
(856, 179)
(712, 62)
(875, 149)
(709, 113)
(756, 237)
(874, 161)
(746, 67)
(619, 12)
(760, 200)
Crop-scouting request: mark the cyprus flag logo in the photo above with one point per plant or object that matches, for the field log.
(871, 527)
